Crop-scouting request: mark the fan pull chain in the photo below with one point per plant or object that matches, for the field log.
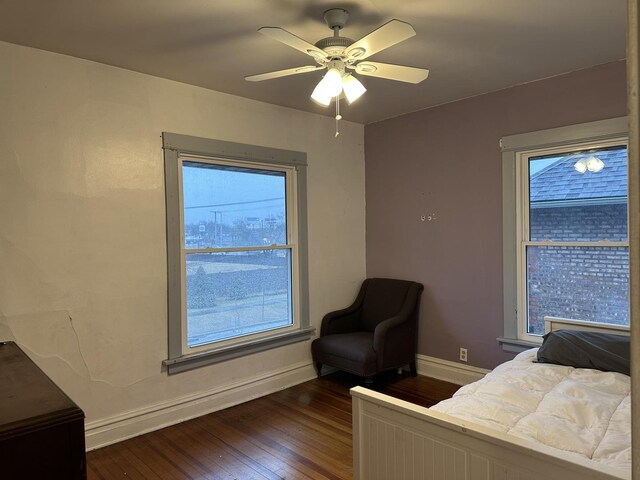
(338, 116)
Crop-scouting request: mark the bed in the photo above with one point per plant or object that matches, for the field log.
(516, 423)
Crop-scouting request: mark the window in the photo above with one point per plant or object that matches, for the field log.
(574, 249)
(236, 238)
(566, 248)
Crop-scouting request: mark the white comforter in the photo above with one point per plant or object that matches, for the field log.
(582, 411)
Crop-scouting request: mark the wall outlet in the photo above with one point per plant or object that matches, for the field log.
(463, 354)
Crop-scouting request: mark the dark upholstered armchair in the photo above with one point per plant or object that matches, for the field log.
(378, 332)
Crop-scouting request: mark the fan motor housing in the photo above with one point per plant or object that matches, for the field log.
(336, 18)
(334, 45)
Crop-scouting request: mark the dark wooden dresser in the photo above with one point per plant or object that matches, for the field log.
(41, 429)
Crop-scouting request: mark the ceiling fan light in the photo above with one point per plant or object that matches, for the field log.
(321, 96)
(594, 164)
(353, 88)
(330, 86)
(332, 82)
(580, 166)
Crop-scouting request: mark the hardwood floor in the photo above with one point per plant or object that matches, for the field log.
(302, 432)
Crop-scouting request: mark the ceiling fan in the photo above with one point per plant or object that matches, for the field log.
(342, 57)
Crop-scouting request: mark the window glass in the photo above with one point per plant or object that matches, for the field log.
(584, 283)
(237, 293)
(230, 206)
(237, 256)
(577, 206)
(568, 202)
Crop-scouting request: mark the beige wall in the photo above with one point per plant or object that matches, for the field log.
(82, 232)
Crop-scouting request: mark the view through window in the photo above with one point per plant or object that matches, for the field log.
(238, 250)
(574, 245)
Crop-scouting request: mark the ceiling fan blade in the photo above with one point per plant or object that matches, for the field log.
(283, 73)
(392, 32)
(389, 71)
(290, 39)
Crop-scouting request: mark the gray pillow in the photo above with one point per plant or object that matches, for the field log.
(581, 349)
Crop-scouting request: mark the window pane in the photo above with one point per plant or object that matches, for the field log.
(582, 283)
(570, 200)
(233, 207)
(237, 293)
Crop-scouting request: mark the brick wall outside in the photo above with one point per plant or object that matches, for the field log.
(585, 283)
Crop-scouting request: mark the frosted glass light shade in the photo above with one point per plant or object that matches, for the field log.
(580, 166)
(329, 87)
(353, 89)
(332, 82)
(320, 96)
(594, 164)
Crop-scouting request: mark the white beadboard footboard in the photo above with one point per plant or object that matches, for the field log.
(398, 440)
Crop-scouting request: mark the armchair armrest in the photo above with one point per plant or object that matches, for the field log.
(395, 338)
(385, 329)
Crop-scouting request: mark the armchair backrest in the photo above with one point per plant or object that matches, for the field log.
(384, 298)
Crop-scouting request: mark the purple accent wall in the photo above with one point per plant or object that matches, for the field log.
(447, 160)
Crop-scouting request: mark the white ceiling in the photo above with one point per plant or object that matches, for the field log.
(469, 46)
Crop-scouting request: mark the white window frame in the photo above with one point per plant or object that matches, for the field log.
(522, 221)
(517, 149)
(291, 245)
(182, 148)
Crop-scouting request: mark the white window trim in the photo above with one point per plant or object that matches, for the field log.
(514, 149)
(179, 148)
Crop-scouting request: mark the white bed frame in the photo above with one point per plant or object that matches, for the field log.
(398, 440)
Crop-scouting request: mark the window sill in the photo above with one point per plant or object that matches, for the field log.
(189, 362)
(514, 345)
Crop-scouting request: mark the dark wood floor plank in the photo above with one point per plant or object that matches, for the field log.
(300, 433)
(126, 467)
(96, 468)
(157, 458)
(334, 419)
(251, 441)
(105, 468)
(182, 455)
(209, 453)
(246, 447)
(324, 443)
(279, 436)
(140, 468)
(219, 456)
(316, 402)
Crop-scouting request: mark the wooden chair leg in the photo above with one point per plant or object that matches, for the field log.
(319, 369)
(412, 368)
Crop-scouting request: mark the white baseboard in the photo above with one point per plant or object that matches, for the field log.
(452, 372)
(136, 422)
(103, 432)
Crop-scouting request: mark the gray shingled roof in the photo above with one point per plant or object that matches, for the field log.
(561, 182)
